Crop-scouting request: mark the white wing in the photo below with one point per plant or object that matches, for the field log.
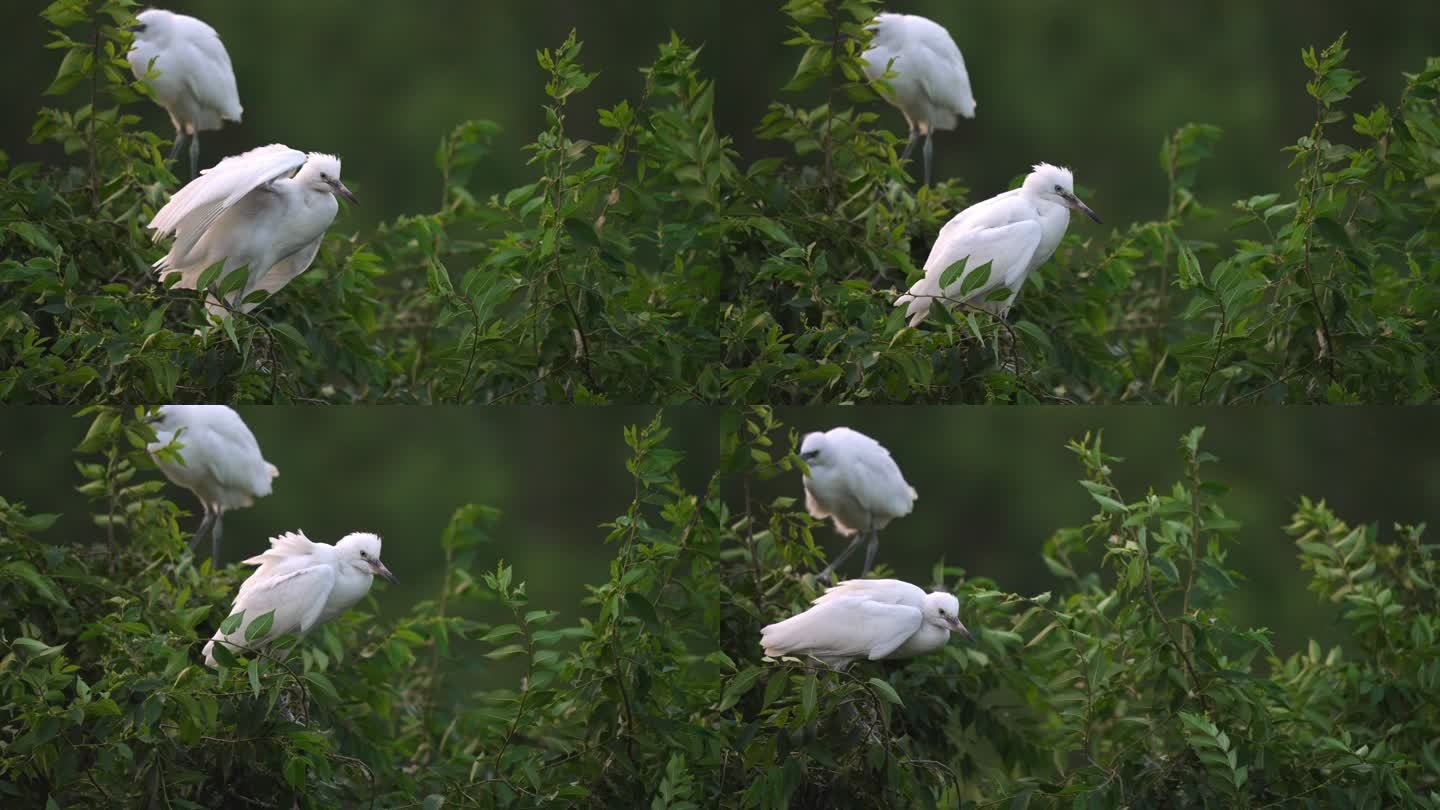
(287, 552)
(890, 591)
(297, 597)
(843, 628)
(194, 208)
(941, 67)
(997, 236)
(216, 444)
(872, 474)
(209, 73)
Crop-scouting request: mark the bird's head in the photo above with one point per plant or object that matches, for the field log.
(1056, 184)
(813, 449)
(362, 550)
(943, 610)
(153, 24)
(163, 418)
(321, 173)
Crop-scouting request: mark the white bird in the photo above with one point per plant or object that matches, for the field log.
(931, 86)
(266, 210)
(196, 83)
(220, 461)
(854, 481)
(1015, 232)
(305, 583)
(867, 618)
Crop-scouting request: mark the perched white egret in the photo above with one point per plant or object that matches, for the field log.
(221, 461)
(196, 83)
(931, 86)
(266, 210)
(867, 618)
(305, 583)
(854, 481)
(1015, 232)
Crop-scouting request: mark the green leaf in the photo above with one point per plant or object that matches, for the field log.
(260, 627)
(886, 691)
(232, 623)
(739, 685)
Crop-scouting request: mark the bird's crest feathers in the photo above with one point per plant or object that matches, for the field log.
(289, 544)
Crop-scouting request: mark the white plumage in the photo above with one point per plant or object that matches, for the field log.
(931, 86)
(221, 461)
(1016, 232)
(305, 583)
(854, 481)
(867, 618)
(266, 210)
(196, 83)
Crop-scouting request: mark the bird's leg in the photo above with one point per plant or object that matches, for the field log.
(929, 151)
(215, 539)
(824, 576)
(910, 144)
(175, 149)
(870, 550)
(205, 525)
(194, 155)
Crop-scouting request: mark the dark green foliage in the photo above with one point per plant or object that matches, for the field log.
(660, 265)
(1127, 685)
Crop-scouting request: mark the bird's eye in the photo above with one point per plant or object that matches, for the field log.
(323, 176)
(364, 555)
(1058, 189)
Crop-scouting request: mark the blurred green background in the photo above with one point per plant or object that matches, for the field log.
(993, 484)
(1092, 85)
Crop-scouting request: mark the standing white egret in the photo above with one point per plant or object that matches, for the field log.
(196, 83)
(266, 210)
(853, 480)
(305, 583)
(931, 86)
(867, 618)
(221, 461)
(1016, 232)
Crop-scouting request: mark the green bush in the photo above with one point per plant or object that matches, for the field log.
(662, 266)
(1127, 685)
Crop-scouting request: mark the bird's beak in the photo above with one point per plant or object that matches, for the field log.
(381, 571)
(957, 627)
(1074, 202)
(136, 29)
(342, 191)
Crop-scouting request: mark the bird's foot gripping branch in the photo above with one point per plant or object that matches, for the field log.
(1127, 683)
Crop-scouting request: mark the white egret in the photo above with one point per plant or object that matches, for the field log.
(854, 481)
(931, 86)
(305, 583)
(266, 210)
(1015, 232)
(196, 83)
(220, 461)
(867, 618)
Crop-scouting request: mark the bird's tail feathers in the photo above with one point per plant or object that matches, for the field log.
(275, 471)
(919, 299)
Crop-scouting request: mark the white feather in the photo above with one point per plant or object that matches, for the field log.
(872, 619)
(931, 86)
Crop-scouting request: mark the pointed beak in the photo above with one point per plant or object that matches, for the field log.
(342, 191)
(1074, 202)
(381, 571)
(957, 627)
(135, 29)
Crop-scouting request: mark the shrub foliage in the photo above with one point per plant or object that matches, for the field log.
(661, 266)
(1128, 684)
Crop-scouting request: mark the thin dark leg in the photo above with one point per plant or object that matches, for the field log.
(195, 155)
(824, 576)
(175, 149)
(929, 151)
(215, 540)
(870, 550)
(910, 145)
(204, 527)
